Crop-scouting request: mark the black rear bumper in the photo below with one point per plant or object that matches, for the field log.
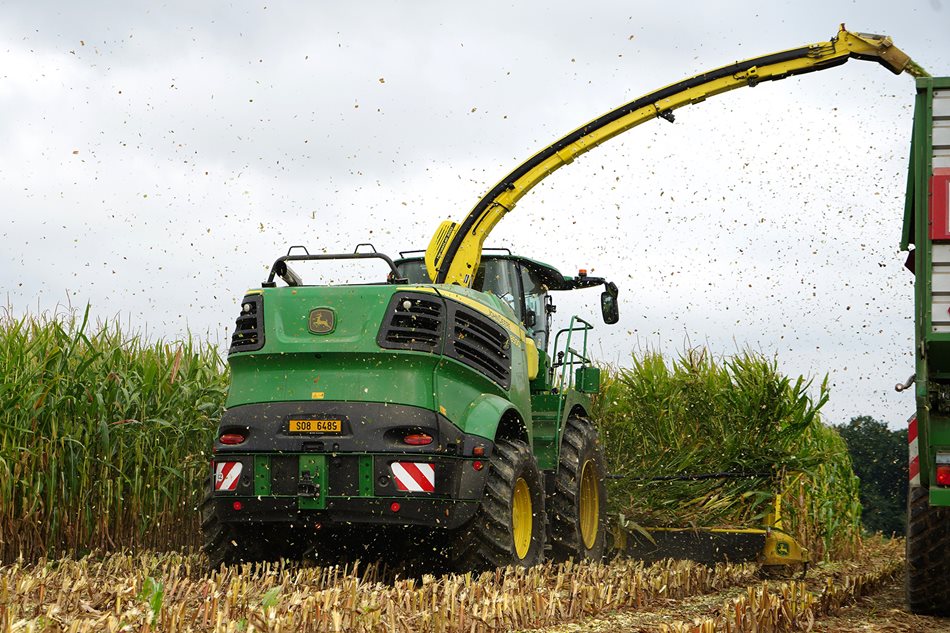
(348, 477)
(446, 514)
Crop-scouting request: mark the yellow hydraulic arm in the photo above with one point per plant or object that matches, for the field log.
(454, 253)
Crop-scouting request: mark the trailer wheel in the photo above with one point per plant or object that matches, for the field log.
(928, 554)
(578, 508)
(509, 526)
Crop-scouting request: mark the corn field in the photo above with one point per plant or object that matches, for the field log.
(103, 448)
(172, 592)
(165, 591)
(738, 417)
(104, 439)
(103, 436)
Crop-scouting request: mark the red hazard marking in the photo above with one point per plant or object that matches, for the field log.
(226, 475)
(913, 470)
(414, 477)
(940, 205)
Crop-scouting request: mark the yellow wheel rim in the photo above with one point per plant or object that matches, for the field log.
(521, 518)
(589, 504)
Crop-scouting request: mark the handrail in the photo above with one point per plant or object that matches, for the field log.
(281, 269)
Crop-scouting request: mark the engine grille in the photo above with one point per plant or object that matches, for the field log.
(480, 343)
(249, 327)
(413, 321)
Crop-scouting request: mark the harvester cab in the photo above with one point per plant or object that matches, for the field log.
(526, 287)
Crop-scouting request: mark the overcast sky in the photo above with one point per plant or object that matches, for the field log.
(156, 158)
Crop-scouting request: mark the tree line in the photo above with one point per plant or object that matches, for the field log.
(879, 458)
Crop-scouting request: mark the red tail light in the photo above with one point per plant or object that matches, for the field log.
(943, 474)
(417, 439)
(232, 438)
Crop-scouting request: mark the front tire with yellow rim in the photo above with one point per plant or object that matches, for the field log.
(509, 527)
(578, 507)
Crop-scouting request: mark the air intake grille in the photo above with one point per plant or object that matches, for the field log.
(414, 322)
(481, 344)
(249, 327)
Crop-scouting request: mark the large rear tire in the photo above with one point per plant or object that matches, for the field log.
(928, 554)
(231, 544)
(220, 544)
(509, 525)
(578, 508)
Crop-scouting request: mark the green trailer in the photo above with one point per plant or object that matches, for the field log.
(926, 235)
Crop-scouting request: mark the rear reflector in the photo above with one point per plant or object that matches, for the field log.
(232, 438)
(417, 439)
(943, 474)
(413, 476)
(226, 475)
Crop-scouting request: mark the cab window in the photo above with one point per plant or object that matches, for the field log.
(500, 277)
(534, 300)
(414, 270)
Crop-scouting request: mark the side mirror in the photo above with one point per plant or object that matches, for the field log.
(609, 307)
(530, 319)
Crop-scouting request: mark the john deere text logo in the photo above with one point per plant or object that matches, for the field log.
(322, 321)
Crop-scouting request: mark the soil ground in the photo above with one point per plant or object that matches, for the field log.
(883, 611)
(172, 592)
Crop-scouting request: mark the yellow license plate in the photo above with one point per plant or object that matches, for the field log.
(315, 426)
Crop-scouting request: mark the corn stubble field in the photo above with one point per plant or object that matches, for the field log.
(104, 441)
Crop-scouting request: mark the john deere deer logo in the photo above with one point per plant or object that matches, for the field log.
(322, 321)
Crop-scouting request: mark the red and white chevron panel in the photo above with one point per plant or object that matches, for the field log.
(914, 464)
(414, 476)
(226, 475)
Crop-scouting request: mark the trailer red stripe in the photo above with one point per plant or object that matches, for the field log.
(912, 430)
(418, 476)
(940, 207)
(914, 468)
